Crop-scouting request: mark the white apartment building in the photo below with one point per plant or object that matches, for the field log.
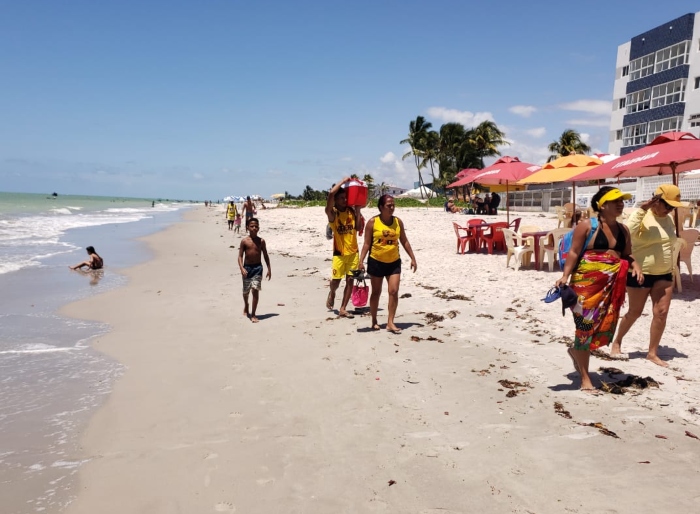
(657, 90)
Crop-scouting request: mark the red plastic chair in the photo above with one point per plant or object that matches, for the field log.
(462, 240)
(515, 225)
(474, 233)
(493, 239)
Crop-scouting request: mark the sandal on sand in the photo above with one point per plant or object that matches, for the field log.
(396, 331)
(573, 360)
(620, 357)
(346, 315)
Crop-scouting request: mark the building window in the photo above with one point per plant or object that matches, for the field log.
(623, 102)
(656, 128)
(694, 120)
(635, 135)
(672, 56)
(625, 71)
(642, 67)
(618, 135)
(668, 93)
(697, 82)
(638, 101)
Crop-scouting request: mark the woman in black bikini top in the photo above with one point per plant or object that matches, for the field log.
(601, 241)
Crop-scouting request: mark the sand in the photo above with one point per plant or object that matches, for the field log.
(307, 413)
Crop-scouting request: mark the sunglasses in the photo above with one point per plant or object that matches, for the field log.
(667, 206)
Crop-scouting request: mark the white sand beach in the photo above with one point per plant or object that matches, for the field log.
(307, 413)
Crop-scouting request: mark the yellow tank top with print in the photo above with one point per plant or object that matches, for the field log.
(385, 241)
(231, 211)
(344, 233)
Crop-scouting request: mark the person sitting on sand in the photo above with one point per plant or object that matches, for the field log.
(598, 273)
(94, 262)
(252, 247)
(343, 222)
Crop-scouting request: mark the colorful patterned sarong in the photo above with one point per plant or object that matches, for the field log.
(599, 282)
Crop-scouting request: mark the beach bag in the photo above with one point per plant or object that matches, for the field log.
(360, 292)
(565, 243)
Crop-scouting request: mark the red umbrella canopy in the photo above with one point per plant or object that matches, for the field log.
(464, 177)
(669, 153)
(505, 169)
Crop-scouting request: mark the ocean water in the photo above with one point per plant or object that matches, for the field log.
(51, 380)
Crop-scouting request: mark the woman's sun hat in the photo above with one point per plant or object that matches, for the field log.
(670, 194)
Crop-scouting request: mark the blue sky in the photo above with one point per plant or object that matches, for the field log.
(199, 100)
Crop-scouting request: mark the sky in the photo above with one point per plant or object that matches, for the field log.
(199, 100)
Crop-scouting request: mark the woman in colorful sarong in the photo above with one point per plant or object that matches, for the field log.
(598, 274)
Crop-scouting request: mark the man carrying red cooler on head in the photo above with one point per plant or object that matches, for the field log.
(344, 220)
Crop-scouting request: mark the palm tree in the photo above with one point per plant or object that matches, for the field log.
(369, 180)
(485, 138)
(568, 143)
(431, 152)
(452, 140)
(382, 189)
(417, 134)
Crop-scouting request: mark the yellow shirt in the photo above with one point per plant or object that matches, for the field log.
(385, 241)
(344, 232)
(231, 211)
(652, 241)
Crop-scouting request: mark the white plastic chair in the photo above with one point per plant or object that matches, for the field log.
(676, 272)
(690, 236)
(522, 251)
(551, 251)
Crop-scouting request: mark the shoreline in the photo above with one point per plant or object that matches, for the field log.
(314, 413)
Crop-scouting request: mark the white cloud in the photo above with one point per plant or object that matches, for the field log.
(523, 110)
(466, 118)
(536, 132)
(590, 122)
(598, 107)
(585, 137)
(198, 176)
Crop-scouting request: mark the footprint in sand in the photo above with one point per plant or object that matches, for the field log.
(211, 456)
(224, 507)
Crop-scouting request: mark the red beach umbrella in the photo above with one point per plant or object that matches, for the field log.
(464, 177)
(504, 171)
(669, 154)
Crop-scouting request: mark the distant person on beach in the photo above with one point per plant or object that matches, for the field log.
(231, 213)
(343, 222)
(598, 272)
(495, 202)
(248, 211)
(237, 223)
(653, 236)
(249, 261)
(382, 236)
(93, 262)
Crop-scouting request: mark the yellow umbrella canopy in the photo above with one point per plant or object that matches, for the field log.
(277, 195)
(562, 169)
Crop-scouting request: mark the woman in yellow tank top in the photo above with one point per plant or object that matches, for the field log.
(382, 236)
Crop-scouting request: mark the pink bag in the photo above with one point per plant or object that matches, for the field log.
(360, 293)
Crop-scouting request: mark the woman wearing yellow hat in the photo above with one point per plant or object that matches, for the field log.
(653, 235)
(597, 266)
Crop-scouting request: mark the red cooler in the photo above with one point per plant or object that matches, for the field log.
(357, 193)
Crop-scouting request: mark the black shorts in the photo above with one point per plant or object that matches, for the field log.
(649, 280)
(376, 268)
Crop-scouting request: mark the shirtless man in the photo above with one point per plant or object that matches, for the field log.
(343, 222)
(94, 262)
(248, 211)
(252, 247)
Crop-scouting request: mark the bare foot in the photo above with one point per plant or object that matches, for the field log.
(591, 390)
(245, 313)
(656, 360)
(254, 319)
(375, 326)
(330, 301)
(345, 314)
(393, 329)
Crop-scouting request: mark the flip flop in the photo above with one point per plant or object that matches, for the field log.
(620, 357)
(346, 315)
(396, 331)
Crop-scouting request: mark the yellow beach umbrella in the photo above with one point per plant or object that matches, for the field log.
(564, 169)
(277, 195)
